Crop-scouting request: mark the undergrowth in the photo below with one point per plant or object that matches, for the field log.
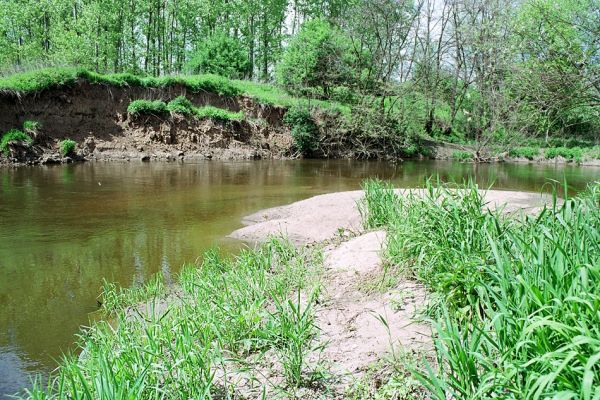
(518, 298)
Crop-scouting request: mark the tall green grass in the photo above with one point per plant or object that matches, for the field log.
(518, 314)
(228, 309)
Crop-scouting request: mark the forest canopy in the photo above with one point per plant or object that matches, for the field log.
(470, 69)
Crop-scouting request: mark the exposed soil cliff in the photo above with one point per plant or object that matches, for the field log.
(95, 116)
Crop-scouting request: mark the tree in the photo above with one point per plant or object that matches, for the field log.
(222, 55)
(318, 57)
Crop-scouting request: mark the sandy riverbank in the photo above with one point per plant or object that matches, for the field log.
(350, 315)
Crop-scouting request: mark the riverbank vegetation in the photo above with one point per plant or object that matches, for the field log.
(513, 301)
(486, 76)
(237, 327)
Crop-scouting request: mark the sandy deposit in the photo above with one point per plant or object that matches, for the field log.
(350, 316)
(322, 217)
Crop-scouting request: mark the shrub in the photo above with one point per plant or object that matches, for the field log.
(462, 156)
(218, 114)
(67, 147)
(138, 107)
(222, 55)
(574, 154)
(14, 135)
(181, 105)
(31, 126)
(525, 152)
(304, 129)
(318, 57)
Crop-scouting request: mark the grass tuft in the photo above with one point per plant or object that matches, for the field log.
(14, 135)
(147, 107)
(67, 147)
(31, 126)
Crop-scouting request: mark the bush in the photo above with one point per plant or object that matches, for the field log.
(218, 114)
(462, 156)
(138, 107)
(14, 135)
(525, 152)
(222, 55)
(304, 129)
(31, 126)
(67, 147)
(181, 105)
(573, 154)
(343, 94)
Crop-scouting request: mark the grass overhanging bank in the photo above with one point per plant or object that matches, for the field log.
(514, 301)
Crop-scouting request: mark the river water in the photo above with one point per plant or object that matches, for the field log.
(65, 228)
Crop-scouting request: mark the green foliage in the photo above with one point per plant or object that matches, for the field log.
(14, 135)
(462, 156)
(516, 315)
(38, 80)
(573, 154)
(304, 129)
(181, 105)
(525, 152)
(67, 147)
(318, 57)
(31, 126)
(222, 55)
(218, 114)
(139, 107)
(43, 79)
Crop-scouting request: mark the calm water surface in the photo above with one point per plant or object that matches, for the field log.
(64, 228)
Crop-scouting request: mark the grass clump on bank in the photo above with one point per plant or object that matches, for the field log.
(525, 152)
(218, 114)
(233, 319)
(147, 107)
(517, 311)
(31, 126)
(181, 105)
(14, 135)
(570, 153)
(67, 147)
